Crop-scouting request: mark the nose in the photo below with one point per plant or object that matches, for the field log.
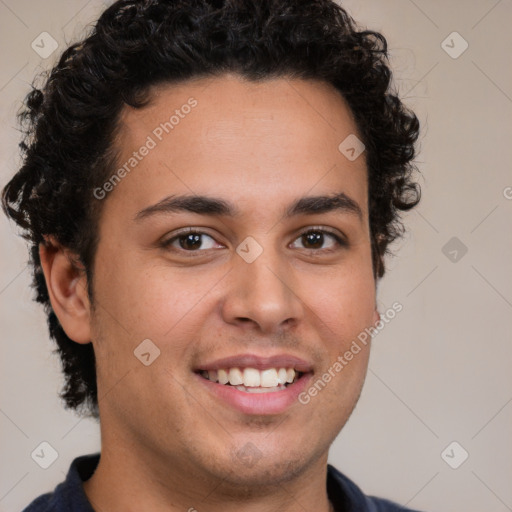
(263, 294)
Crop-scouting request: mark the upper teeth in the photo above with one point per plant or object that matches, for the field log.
(251, 377)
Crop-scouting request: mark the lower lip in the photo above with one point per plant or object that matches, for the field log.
(275, 402)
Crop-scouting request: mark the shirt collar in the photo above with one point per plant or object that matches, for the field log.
(344, 494)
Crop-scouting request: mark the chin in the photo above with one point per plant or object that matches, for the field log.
(249, 470)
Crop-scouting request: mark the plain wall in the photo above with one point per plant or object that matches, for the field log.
(440, 371)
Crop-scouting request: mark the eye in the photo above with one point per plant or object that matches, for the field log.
(190, 241)
(314, 239)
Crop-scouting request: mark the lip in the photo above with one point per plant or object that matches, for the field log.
(258, 362)
(271, 403)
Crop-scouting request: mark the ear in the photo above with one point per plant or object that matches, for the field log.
(67, 288)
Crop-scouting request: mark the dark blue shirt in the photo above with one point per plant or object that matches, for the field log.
(69, 496)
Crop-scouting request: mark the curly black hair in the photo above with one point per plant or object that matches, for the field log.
(69, 122)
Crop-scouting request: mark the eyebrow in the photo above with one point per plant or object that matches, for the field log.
(204, 205)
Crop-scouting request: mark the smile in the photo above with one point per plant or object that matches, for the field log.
(253, 384)
(252, 380)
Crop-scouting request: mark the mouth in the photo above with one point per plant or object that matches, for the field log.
(252, 380)
(256, 385)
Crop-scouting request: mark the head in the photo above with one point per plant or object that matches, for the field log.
(263, 94)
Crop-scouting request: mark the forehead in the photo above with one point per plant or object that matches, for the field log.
(251, 141)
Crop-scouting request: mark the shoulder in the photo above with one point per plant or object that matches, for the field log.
(48, 502)
(346, 495)
(383, 505)
(69, 495)
(43, 503)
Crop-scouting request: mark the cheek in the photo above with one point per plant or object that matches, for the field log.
(344, 301)
(350, 314)
(153, 301)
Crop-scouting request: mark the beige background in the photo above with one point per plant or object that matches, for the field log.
(440, 372)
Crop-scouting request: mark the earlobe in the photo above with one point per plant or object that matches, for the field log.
(376, 316)
(67, 288)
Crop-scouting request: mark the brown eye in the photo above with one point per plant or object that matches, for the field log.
(190, 241)
(314, 239)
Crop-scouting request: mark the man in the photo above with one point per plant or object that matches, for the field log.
(210, 189)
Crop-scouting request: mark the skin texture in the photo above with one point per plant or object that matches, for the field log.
(167, 444)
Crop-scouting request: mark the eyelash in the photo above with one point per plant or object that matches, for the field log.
(340, 241)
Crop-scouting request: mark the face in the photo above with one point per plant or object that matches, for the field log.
(247, 278)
